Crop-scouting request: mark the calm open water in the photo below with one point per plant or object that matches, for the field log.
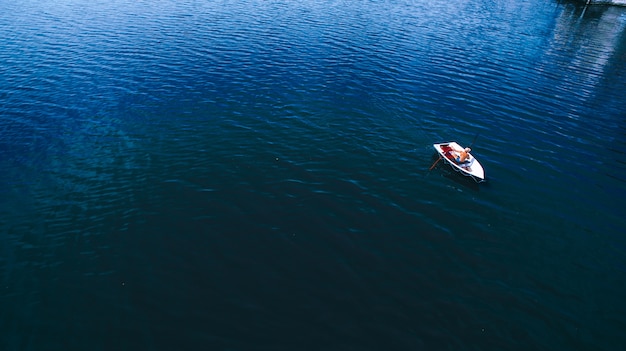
(253, 175)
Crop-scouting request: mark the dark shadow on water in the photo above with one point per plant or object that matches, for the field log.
(582, 8)
(448, 172)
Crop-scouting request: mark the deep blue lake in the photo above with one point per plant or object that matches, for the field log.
(254, 175)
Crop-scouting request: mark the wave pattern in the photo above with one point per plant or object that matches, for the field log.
(254, 175)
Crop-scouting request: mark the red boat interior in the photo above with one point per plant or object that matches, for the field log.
(446, 151)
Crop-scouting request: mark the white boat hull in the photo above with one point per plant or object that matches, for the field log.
(449, 152)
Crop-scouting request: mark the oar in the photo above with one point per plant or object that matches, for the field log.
(473, 141)
(433, 166)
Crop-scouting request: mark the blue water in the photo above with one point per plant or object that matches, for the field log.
(254, 175)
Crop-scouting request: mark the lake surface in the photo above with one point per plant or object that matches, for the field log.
(254, 175)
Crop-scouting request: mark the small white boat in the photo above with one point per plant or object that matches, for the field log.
(471, 167)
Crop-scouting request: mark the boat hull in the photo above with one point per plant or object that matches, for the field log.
(472, 168)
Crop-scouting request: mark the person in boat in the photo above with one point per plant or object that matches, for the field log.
(463, 155)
